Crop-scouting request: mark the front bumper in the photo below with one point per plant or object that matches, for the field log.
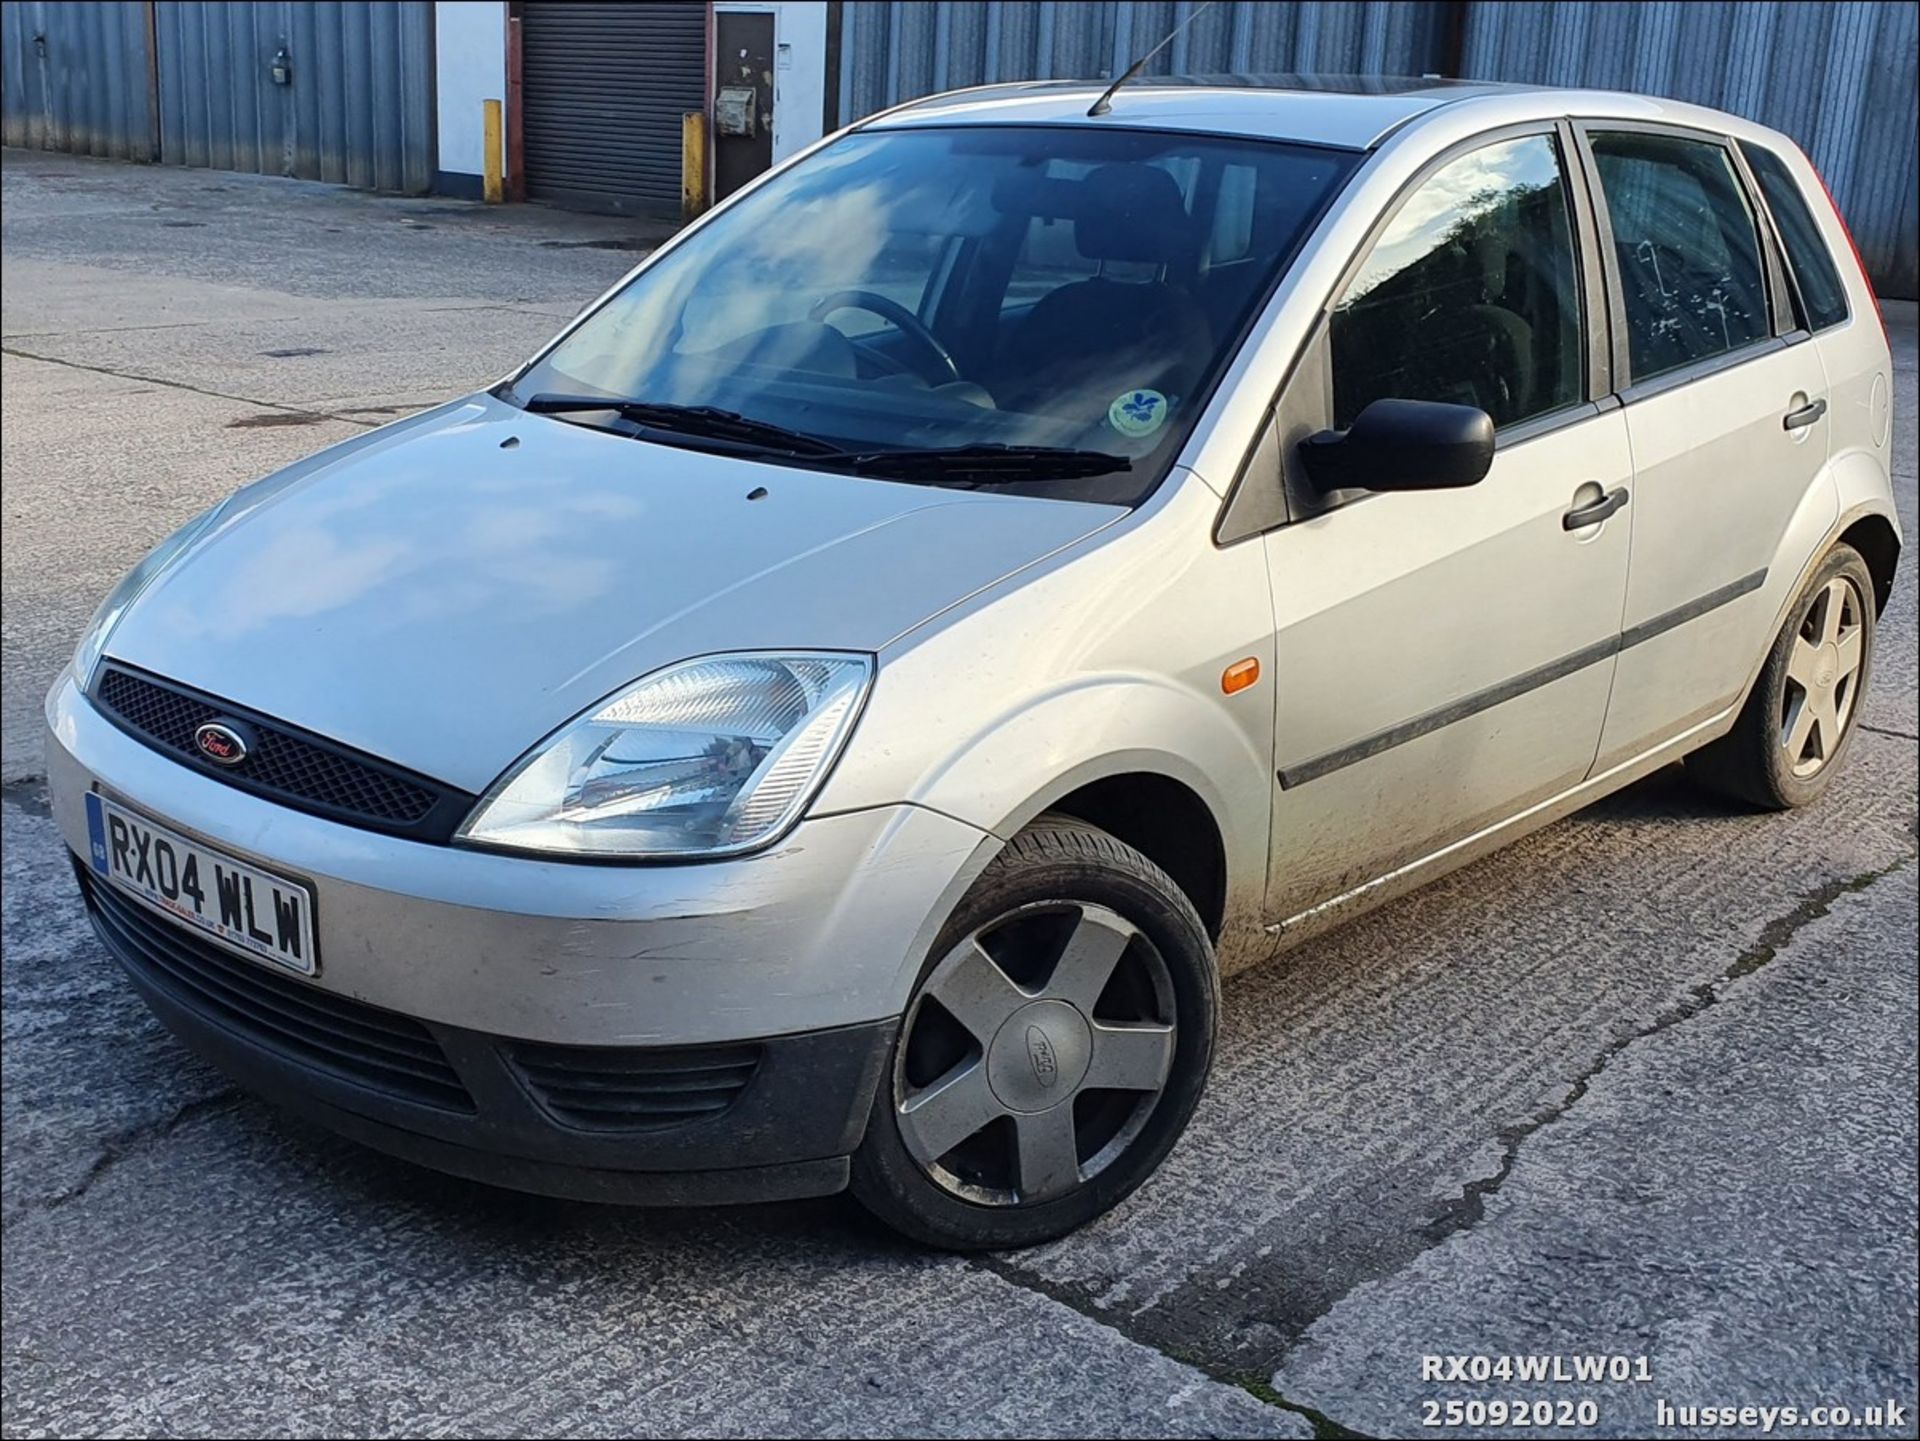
(658, 1125)
(789, 968)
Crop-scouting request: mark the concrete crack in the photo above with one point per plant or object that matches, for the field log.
(195, 389)
(1470, 1207)
(1258, 1387)
(1889, 731)
(118, 1148)
(1229, 1357)
(107, 330)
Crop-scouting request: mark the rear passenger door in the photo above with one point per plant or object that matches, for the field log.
(1726, 413)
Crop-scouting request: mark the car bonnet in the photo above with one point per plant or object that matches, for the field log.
(445, 593)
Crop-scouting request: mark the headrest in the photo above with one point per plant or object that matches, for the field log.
(1490, 253)
(1132, 212)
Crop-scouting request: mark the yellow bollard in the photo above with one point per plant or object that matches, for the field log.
(493, 186)
(693, 163)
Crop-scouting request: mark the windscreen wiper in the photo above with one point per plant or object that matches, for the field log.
(707, 421)
(1005, 463)
(1009, 464)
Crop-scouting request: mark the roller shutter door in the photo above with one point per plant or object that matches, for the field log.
(602, 90)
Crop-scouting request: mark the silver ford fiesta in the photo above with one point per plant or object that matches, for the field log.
(830, 718)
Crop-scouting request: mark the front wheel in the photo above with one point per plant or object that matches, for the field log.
(1799, 721)
(1052, 1052)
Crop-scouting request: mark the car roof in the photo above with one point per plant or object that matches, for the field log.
(1350, 111)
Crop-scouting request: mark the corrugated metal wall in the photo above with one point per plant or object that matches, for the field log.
(1840, 78)
(1837, 75)
(893, 50)
(77, 77)
(359, 109)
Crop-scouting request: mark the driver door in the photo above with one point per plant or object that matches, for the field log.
(1443, 657)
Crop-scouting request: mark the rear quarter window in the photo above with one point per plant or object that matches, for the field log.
(1822, 299)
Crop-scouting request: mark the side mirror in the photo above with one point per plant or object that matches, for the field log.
(1402, 445)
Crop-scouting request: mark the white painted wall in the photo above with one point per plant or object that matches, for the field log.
(470, 66)
(799, 69)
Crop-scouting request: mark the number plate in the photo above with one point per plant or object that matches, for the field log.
(252, 911)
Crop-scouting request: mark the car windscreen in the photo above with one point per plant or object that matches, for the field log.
(957, 305)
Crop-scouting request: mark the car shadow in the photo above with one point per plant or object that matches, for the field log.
(1666, 795)
(504, 1221)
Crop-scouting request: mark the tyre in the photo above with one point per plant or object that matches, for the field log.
(1053, 1049)
(1798, 723)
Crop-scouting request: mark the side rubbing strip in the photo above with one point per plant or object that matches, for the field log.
(1472, 705)
(1433, 720)
(1692, 610)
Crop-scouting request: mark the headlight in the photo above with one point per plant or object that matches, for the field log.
(93, 640)
(709, 757)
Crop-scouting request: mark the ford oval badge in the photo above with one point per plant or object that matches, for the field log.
(1046, 1069)
(222, 742)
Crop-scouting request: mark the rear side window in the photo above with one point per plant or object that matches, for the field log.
(1471, 295)
(1823, 299)
(1686, 247)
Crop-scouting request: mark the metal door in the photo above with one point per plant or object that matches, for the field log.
(602, 90)
(742, 99)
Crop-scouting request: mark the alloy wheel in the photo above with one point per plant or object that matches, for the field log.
(1823, 675)
(1034, 1053)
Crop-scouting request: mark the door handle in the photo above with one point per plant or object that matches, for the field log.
(1594, 511)
(1805, 415)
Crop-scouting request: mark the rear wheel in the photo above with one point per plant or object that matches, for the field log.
(1053, 1049)
(1799, 721)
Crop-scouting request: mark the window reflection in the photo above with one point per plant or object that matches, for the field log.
(1471, 294)
(929, 288)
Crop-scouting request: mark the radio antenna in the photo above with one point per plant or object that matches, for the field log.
(1105, 102)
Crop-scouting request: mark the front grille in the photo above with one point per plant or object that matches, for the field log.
(382, 1050)
(304, 771)
(604, 1088)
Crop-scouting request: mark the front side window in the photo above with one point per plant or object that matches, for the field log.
(1686, 247)
(934, 290)
(1822, 299)
(1471, 295)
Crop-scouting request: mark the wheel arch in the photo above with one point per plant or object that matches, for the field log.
(1855, 499)
(1144, 755)
(1874, 536)
(1866, 518)
(1167, 822)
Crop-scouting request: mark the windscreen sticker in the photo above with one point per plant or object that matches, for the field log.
(1138, 412)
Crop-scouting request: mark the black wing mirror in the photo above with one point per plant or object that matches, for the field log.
(1402, 445)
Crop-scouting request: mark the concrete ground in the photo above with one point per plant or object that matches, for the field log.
(1643, 1084)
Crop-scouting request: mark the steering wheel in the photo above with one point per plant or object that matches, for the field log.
(944, 368)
